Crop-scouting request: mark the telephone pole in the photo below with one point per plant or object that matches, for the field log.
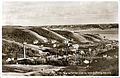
(24, 50)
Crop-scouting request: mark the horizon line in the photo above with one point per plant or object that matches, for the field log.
(56, 24)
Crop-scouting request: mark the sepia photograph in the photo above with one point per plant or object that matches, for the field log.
(60, 38)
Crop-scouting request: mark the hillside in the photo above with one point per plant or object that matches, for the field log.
(18, 35)
(60, 46)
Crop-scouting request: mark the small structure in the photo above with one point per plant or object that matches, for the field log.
(53, 41)
(82, 52)
(86, 61)
(9, 59)
(35, 42)
(76, 46)
(54, 45)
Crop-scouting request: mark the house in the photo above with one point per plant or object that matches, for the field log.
(35, 42)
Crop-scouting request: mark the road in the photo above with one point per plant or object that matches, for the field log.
(19, 70)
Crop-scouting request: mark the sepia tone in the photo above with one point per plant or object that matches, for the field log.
(60, 39)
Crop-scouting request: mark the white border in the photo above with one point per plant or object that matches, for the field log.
(119, 32)
(1, 38)
(60, 0)
(52, 76)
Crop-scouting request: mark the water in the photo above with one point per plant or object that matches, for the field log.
(111, 34)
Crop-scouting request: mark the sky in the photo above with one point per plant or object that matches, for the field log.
(59, 13)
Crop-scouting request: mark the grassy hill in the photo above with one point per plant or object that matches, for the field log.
(67, 55)
(18, 35)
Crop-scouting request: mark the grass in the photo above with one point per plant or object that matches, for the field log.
(102, 65)
(17, 35)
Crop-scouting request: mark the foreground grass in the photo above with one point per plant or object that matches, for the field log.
(103, 66)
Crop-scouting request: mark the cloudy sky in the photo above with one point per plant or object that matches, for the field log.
(46, 13)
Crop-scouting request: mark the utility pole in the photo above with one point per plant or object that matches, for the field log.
(24, 50)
